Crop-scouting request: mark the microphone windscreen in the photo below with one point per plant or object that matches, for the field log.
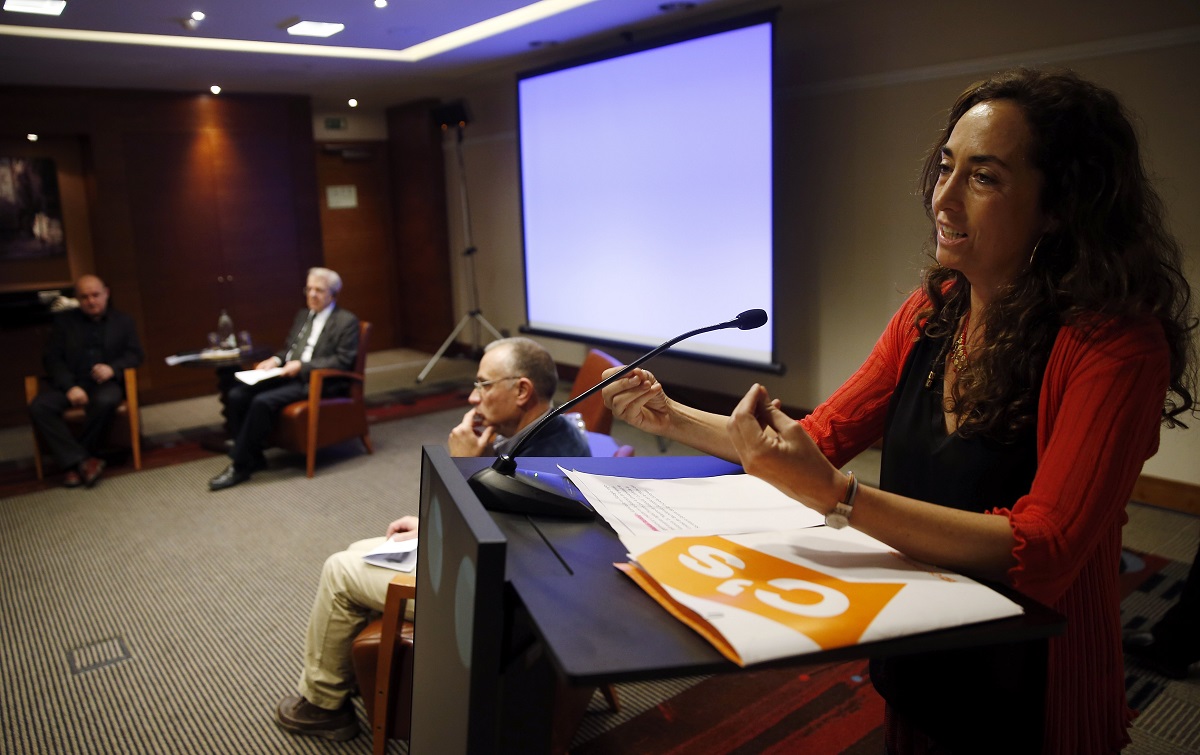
(751, 319)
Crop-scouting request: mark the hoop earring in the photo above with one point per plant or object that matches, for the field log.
(1035, 248)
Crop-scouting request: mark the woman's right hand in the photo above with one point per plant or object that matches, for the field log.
(638, 400)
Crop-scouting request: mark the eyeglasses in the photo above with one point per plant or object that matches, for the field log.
(483, 385)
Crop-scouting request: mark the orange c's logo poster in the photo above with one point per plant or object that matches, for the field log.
(830, 611)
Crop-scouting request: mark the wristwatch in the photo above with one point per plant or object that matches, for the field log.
(840, 516)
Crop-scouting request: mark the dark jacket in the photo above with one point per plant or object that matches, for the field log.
(337, 346)
(77, 343)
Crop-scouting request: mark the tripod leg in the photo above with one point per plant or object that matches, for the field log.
(445, 345)
(483, 321)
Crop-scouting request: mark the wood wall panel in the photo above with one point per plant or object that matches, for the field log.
(183, 191)
(422, 235)
(358, 241)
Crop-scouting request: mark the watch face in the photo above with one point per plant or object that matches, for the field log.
(836, 521)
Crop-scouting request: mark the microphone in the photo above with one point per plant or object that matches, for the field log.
(501, 487)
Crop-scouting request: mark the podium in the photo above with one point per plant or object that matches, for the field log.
(519, 617)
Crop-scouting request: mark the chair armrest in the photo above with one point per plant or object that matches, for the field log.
(401, 589)
(317, 378)
(31, 388)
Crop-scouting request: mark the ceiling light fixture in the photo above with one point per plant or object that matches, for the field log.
(352, 102)
(455, 39)
(42, 7)
(32, 137)
(314, 29)
(380, 3)
(491, 27)
(192, 22)
(215, 89)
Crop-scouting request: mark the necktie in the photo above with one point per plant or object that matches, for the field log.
(301, 341)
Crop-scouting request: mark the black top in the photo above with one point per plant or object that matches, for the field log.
(77, 343)
(973, 700)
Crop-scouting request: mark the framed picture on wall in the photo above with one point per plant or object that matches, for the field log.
(31, 216)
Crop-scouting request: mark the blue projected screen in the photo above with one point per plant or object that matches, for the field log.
(647, 196)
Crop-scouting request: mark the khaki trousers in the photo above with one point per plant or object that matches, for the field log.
(351, 592)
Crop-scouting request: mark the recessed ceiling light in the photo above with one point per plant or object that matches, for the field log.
(314, 29)
(380, 3)
(44, 7)
(352, 102)
(31, 137)
(198, 15)
(215, 89)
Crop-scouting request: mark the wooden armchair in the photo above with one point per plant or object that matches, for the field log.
(125, 432)
(384, 670)
(317, 422)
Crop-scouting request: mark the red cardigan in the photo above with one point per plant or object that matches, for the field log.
(1099, 412)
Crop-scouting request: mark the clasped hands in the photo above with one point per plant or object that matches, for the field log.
(101, 373)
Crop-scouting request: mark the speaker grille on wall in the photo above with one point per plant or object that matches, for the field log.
(452, 114)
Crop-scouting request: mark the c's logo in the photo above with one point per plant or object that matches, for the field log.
(830, 611)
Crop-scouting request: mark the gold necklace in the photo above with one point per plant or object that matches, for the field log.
(959, 355)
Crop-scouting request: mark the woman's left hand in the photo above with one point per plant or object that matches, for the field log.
(774, 447)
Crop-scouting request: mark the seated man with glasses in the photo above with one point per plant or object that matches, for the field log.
(323, 335)
(514, 388)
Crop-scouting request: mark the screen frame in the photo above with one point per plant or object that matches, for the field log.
(445, 718)
(768, 17)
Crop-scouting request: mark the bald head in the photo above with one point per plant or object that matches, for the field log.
(92, 295)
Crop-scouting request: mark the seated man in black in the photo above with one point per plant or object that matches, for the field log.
(322, 336)
(514, 388)
(85, 359)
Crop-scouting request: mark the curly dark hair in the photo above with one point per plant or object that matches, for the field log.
(1108, 258)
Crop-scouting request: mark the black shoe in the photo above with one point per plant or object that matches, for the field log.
(1157, 656)
(228, 478)
(296, 715)
(90, 469)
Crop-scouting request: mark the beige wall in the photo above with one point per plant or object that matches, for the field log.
(863, 86)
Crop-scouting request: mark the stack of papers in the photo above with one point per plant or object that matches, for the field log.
(747, 568)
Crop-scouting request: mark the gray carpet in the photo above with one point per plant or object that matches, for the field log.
(148, 615)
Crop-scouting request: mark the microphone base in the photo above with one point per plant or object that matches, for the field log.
(538, 494)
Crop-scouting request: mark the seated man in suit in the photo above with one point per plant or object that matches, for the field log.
(322, 336)
(514, 388)
(85, 359)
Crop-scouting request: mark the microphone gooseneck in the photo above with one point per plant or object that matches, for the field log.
(500, 490)
(748, 320)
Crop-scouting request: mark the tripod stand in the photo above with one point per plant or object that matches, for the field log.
(475, 314)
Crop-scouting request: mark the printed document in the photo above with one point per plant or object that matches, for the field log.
(400, 555)
(694, 506)
(768, 595)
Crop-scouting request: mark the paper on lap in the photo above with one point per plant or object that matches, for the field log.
(400, 555)
(252, 377)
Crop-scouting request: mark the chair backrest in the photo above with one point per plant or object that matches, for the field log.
(596, 416)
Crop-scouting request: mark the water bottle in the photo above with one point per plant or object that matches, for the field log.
(225, 334)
